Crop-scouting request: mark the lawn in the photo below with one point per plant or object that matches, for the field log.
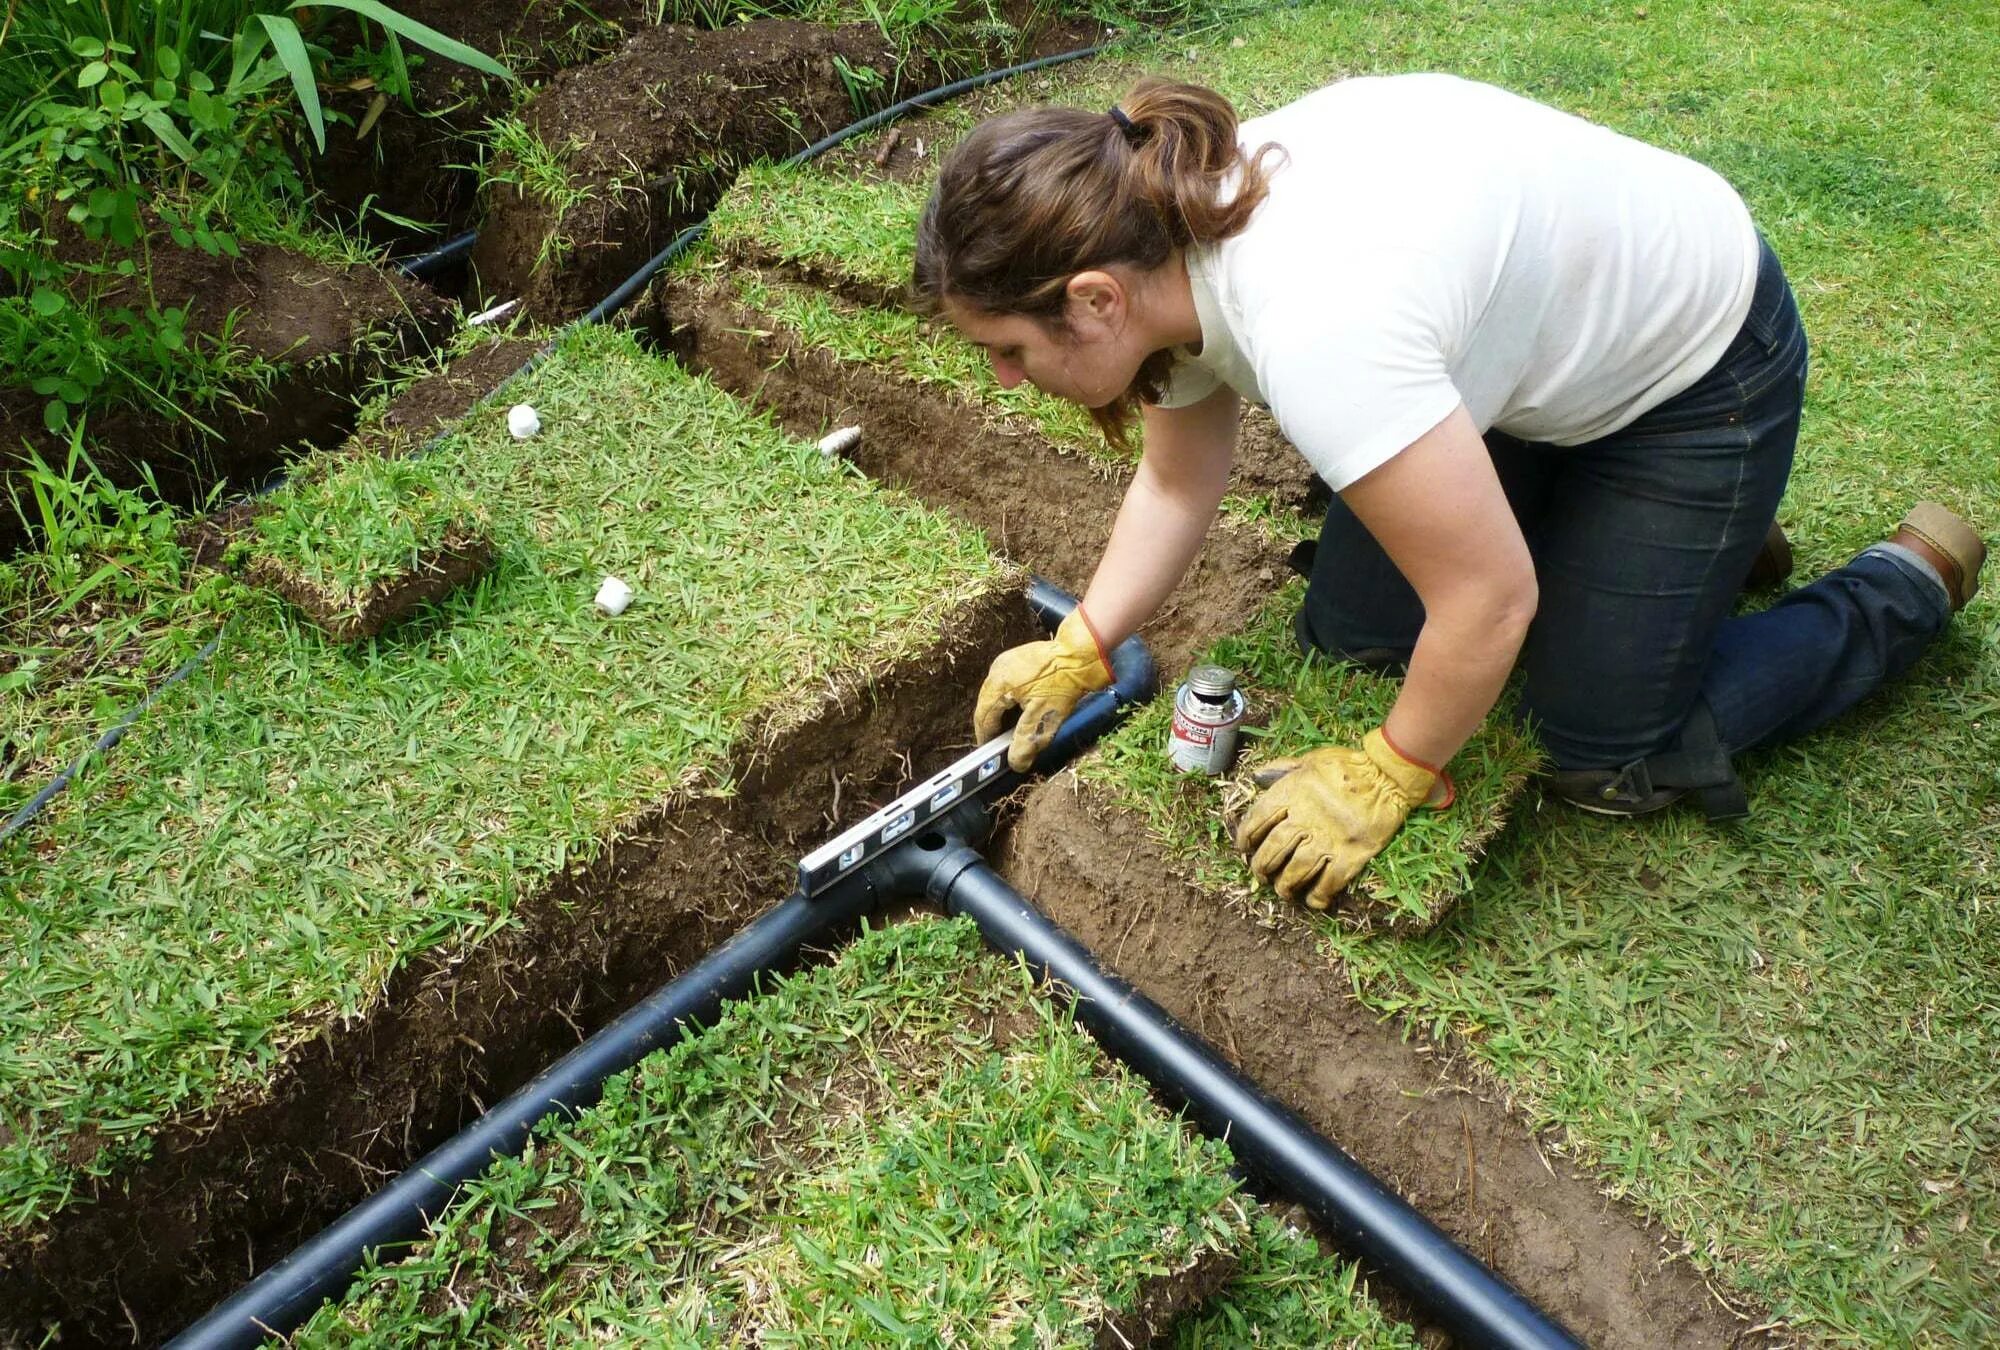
(1779, 1038)
(298, 820)
(909, 1143)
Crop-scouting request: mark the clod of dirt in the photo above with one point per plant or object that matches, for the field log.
(459, 558)
(414, 161)
(651, 137)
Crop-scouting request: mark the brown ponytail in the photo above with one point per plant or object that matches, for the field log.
(1035, 196)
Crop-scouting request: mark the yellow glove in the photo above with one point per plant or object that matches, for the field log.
(1044, 680)
(1317, 825)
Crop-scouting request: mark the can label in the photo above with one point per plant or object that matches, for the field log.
(1203, 739)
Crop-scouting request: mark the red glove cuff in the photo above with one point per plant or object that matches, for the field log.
(1091, 629)
(1436, 771)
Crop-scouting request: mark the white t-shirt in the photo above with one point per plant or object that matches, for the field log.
(1433, 241)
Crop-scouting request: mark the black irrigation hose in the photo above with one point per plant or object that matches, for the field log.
(626, 291)
(283, 1296)
(429, 264)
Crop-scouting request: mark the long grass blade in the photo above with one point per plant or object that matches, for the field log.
(291, 50)
(422, 34)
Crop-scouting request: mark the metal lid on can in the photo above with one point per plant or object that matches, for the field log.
(1212, 681)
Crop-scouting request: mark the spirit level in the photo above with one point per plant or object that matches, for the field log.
(903, 817)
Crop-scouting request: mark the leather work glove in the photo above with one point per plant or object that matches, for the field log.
(1044, 680)
(1328, 812)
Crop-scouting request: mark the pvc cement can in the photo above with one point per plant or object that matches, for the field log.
(1208, 711)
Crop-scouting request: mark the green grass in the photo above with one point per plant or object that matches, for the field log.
(1296, 704)
(1288, 1293)
(91, 623)
(1780, 1039)
(855, 229)
(909, 1144)
(297, 820)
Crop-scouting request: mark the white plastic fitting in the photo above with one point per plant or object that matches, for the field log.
(523, 421)
(839, 442)
(613, 595)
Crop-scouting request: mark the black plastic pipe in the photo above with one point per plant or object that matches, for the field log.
(428, 264)
(282, 1297)
(1474, 1304)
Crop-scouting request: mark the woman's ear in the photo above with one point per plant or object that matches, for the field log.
(1096, 298)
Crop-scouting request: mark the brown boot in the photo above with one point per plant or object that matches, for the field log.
(1773, 562)
(1942, 539)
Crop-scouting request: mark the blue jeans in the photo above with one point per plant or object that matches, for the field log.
(1641, 541)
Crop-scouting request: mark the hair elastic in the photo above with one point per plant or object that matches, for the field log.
(1131, 132)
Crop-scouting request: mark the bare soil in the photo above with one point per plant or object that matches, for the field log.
(327, 330)
(419, 159)
(655, 134)
(227, 1192)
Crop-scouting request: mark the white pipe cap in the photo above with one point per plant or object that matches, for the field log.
(613, 595)
(523, 421)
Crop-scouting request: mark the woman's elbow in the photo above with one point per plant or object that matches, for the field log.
(1516, 605)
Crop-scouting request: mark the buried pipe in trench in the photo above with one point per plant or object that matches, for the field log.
(1475, 1304)
(282, 1297)
(1469, 1300)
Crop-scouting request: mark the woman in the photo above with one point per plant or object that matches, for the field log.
(1553, 375)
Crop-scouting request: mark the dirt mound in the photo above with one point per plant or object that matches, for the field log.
(649, 138)
(1272, 1002)
(325, 329)
(416, 161)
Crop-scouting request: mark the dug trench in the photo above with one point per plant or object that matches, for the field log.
(656, 124)
(1414, 1111)
(223, 1194)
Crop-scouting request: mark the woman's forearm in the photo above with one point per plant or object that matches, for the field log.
(1155, 537)
(1461, 662)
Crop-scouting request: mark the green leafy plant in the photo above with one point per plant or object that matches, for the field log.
(132, 125)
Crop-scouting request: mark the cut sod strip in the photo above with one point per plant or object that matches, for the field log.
(296, 821)
(848, 233)
(906, 1145)
(360, 544)
(1779, 1039)
(1295, 704)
